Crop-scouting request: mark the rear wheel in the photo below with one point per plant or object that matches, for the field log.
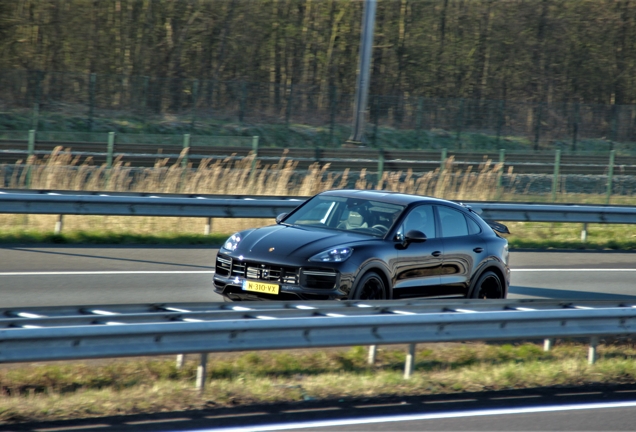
(371, 287)
(488, 286)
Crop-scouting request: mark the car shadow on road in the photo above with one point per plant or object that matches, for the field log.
(559, 294)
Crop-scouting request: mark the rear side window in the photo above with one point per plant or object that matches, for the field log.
(473, 227)
(453, 222)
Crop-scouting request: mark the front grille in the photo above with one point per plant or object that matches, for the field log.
(230, 267)
(320, 279)
(223, 266)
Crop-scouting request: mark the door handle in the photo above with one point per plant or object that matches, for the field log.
(436, 253)
(478, 250)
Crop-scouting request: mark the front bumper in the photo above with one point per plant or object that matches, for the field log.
(295, 282)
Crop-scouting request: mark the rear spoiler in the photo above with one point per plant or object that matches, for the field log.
(496, 226)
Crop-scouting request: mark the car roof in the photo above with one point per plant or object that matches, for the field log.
(386, 196)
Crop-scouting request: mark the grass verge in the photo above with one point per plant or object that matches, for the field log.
(120, 387)
(110, 238)
(534, 235)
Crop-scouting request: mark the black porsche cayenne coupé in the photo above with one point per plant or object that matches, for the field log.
(361, 244)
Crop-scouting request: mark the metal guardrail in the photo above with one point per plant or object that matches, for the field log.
(62, 316)
(147, 205)
(65, 333)
(220, 206)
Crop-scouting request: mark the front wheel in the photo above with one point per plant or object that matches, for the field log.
(488, 286)
(371, 287)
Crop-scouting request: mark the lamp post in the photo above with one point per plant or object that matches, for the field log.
(364, 64)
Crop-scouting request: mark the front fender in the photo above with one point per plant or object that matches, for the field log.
(380, 268)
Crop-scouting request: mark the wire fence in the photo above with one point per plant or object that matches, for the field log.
(58, 100)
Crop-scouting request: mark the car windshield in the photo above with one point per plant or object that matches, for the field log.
(347, 214)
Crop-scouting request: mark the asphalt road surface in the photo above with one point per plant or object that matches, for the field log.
(587, 417)
(54, 275)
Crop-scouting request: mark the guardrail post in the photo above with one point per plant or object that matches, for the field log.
(547, 344)
(555, 178)
(591, 354)
(180, 360)
(31, 143)
(410, 362)
(208, 226)
(59, 224)
(201, 372)
(110, 149)
(584, 233)
(610, 176)
(372, 352)
(502, 158)
(380, 168)
(442, 162)
(31, 152)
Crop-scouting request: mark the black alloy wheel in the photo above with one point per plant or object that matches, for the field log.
(488, 287)
(371, 287)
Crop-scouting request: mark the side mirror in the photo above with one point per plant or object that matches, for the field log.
(414, 236)
(280, 217)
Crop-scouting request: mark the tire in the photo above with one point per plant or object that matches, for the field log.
(370, 287)
(488, 286)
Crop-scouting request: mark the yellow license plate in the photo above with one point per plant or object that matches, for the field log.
(260, 287)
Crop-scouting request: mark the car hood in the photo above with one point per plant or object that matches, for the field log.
(277, 242)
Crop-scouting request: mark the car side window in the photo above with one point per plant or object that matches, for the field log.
(453, 222)
(420, 218)
(473, 228)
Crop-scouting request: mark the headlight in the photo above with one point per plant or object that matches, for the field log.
(232, 243)
(332, 255)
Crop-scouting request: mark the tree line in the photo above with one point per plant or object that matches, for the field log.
(548, 51)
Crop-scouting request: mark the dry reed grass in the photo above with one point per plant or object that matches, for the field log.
(229, 176)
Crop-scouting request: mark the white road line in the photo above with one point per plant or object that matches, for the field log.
(106, 272)
(416, 417)
(575, 270)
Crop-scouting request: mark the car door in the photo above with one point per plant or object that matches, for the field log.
(464, 248)
(419, 264)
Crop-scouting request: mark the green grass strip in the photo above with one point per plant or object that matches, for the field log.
(110, 238)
